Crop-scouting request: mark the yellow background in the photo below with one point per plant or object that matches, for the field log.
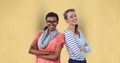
(21, 19)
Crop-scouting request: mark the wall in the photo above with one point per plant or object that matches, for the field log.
(21, 19)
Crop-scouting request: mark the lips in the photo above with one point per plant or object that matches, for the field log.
(51, 26)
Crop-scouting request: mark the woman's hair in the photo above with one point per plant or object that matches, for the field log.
(65, 17)
(51, 14)
(65, 13)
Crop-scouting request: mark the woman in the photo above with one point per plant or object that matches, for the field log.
(48, 43)
(76, 43)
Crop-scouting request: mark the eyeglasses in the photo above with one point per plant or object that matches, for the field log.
(51, 22)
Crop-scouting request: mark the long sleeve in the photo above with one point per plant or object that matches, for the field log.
(87, 46)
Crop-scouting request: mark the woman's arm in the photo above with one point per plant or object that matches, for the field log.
(53, 56)
(87, 47)
(34, 49)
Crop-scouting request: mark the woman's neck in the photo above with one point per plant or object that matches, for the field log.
(72, 28)
(49, 31)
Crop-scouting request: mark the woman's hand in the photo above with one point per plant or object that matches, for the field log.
(82, 48)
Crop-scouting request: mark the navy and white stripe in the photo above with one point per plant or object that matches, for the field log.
(73, 44)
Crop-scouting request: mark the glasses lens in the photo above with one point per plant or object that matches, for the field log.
(51, 22)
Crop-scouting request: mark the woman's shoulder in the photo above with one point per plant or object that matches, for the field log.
(60, 34)
(66, 31)
(81, 33)
(39, 32)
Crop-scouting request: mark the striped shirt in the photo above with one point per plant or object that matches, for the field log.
(73, 44)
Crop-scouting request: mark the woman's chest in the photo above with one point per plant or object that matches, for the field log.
(52, 45)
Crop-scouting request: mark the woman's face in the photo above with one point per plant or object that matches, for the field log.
(71, 18)
(51, 23)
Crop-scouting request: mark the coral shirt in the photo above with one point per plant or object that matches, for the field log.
(59, 38)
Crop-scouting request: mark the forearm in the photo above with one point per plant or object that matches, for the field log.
(53, 56)
(49, 57)
(87, 49)
(39, 52)
(35, 51)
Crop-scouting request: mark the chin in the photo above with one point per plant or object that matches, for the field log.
(74, 24)
(52, 29)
